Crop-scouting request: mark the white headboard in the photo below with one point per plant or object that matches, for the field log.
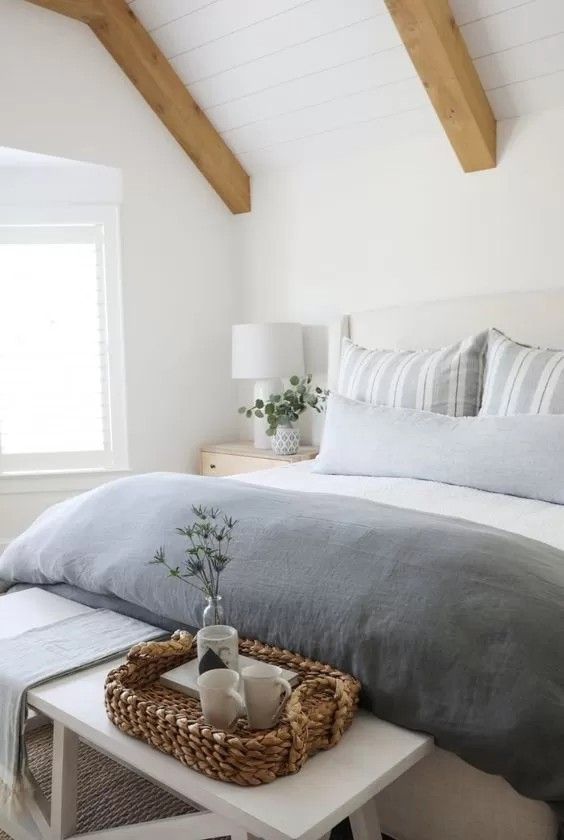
(530, 317)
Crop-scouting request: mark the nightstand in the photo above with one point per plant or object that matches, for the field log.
(242, 457)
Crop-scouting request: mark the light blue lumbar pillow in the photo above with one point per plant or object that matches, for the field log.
(522, 455)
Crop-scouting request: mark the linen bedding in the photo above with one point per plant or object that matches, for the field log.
(453, 627)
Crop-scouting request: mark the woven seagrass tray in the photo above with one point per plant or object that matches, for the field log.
(316, 715)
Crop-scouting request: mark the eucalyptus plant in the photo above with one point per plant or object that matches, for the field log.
(207, 554)
(284, 409)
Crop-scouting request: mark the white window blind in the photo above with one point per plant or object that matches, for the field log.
(60, 388)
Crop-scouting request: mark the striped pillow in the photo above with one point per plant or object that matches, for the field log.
(520, 379)
(446, 381)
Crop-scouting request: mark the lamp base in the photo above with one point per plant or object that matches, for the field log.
(263, 389)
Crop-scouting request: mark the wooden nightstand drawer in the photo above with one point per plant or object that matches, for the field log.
(218, 464)
(241, 457)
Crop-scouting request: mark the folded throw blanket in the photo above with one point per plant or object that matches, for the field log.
(52, 651)
(453, 628)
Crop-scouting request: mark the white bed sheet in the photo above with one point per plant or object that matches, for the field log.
(531, 518)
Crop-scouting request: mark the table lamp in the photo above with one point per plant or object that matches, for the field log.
(266, 353)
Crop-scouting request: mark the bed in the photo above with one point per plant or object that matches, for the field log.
(444, 797)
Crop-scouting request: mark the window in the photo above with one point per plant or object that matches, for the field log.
(61, 357)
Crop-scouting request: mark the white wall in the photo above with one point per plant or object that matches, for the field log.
(59, 183)
(404, 224)
(62, 94)
(385, 226)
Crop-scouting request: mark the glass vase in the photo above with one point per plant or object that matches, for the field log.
(213, 611)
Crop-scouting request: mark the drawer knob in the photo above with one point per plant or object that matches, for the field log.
(212, 466)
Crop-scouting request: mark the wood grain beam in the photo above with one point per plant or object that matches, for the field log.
(85, 10)
(125, 38)
(437, 49)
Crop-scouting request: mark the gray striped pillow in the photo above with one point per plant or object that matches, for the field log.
(446, 381)
(520, 379)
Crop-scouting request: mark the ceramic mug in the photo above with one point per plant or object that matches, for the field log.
(221, 703)
(266, 691)
(223, 641)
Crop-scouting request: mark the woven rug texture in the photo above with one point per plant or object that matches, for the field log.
(109, 795)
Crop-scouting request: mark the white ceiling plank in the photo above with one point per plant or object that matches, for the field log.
(527, 61)
(304, 23)
(466, 11)
(322, 53)
(514, 27)
(337, 113)
(528, 97)
(364, 74)
(286, 81)
(342, 142)
(219, 20)
(153, 13)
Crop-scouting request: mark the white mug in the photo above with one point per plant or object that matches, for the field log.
(266, 691)
(223, 641)
(220, 701)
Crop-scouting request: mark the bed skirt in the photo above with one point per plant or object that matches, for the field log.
(444, 798)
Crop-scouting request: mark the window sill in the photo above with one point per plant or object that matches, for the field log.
(57, 481)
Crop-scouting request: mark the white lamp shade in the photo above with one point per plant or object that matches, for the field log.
(267, 351)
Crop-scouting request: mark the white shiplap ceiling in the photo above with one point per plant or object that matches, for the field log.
(286, 81)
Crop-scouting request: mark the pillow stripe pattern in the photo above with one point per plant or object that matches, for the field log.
(520, 379)
(446, 381)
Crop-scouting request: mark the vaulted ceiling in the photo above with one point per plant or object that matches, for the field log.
(288, 81)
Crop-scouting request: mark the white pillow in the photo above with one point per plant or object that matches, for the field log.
(522, 455)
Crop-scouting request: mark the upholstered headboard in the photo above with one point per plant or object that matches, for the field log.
(531, 317)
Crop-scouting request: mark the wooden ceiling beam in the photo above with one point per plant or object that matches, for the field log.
(439, 53)
(119, 30)
(85, 10)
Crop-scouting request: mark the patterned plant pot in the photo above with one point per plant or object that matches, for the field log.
(286, 441)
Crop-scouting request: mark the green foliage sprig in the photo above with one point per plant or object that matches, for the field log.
(284, 409)
(207, 554)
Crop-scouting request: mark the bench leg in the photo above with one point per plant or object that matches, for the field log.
(64, 779)
(241, 834)
(365, 824)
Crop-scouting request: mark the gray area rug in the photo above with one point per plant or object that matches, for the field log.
(110, 795)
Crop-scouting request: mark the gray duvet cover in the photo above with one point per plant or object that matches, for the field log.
(454, 628)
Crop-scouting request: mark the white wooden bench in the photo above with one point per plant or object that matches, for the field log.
(331, 786)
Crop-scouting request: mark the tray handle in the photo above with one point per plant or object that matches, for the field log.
(179, 644)
(148, 660)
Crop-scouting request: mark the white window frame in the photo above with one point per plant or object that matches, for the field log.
(116, 457)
